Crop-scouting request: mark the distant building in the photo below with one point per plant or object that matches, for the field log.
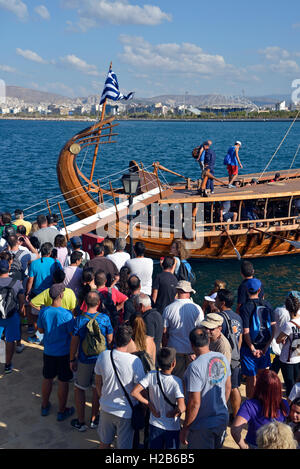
(4, 110)
(281, 106)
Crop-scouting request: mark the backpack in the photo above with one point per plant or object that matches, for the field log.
(146, 360)
(294, 349)
(227, 159)
(260, 327)
(94, 341)
(16, 269)
(8, 300)
(232, 339)
(8, 231)
(108, 307)
(185, 272)
(196, 151)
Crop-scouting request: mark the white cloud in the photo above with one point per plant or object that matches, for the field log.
(286, 66)
(94, 12)
(17, 7)
(183, 58)
(274, 52)
(280, 60)
(7, 68)
(79, 64)
(30, 55)
(42, 11)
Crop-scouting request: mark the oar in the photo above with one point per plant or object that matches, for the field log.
(296, 244)
(232, 244)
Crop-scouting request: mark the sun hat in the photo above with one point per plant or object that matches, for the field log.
(185, 286)
(212, 320)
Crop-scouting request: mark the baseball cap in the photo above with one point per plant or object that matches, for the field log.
(238, 142)
(212, 320)
(253, 285)
(211, 298)
(56, 290)
(185, 286)
(76, 241)
(4, 265)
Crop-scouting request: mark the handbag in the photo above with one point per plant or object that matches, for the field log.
(138, 414)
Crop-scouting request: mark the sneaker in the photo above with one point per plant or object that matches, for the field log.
(20, 348)
(94, 423)
(65, 414)
(8, 369)
(45, 410)
(33, 340)
(81, 427)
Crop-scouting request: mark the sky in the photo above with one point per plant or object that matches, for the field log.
(157, 47)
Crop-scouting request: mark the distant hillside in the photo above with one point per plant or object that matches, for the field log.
(270, 99)
(35, 96)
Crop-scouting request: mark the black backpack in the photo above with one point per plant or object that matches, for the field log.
(108, 307)
(8, 300)
(185, 272)
(16, 269)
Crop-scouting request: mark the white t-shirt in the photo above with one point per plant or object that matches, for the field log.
(281, 316)
(288, 329)
(130, 371)
(143, 268)
(180, 317)
(173, 389)
(295, 392)
(119, 258)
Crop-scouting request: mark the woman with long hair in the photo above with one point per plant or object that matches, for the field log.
(265, 406)
(122, 284)
(181, 254)
(142, 345)
(289, 337)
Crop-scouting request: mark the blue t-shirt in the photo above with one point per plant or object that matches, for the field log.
(80, 330)
(58, 324)
(232, 153)
(42, 270)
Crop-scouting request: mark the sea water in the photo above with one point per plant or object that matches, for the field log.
(30, 150)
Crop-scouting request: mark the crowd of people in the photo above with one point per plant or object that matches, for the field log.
(165, 372)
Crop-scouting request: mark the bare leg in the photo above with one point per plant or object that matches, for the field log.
(80, 403)
(9, 351)
(250, 384)
(46, 391)
(235, 400)
(62, 394)
(95, 404)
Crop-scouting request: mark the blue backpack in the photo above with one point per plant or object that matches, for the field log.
(260, 326)
(227, 159)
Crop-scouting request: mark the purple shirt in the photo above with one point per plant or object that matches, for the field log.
(251, 410)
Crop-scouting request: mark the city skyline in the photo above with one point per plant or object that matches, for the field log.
(156, 47)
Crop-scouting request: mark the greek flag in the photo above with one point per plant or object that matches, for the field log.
(111, 89)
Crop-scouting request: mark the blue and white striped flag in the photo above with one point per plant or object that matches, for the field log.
(111, 89)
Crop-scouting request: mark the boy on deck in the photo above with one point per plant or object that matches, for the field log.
(166, 401)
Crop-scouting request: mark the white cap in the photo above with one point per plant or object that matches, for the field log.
(211, 298)
(238, 142)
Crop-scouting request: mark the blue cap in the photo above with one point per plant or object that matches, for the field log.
(4, 265)
(76, 241)
(253, 285)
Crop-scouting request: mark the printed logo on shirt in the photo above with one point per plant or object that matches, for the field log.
(216, 370)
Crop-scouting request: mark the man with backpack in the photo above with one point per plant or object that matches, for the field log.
(92, 334)
(232, 329)
(11, 304)
(259, 327)
(8, 228)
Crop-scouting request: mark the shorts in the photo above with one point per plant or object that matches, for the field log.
(111, 425)
(163, 439)
(228, 216)
(250, 364)
(232, 170)
(85, 376)
(57, 366)
(208, 438)
(235, 377)
(11, 327)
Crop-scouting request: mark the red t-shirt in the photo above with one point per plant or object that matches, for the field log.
(116, 295)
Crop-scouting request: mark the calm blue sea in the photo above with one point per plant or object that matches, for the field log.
(30, 149)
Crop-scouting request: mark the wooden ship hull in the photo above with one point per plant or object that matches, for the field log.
(276, 232)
